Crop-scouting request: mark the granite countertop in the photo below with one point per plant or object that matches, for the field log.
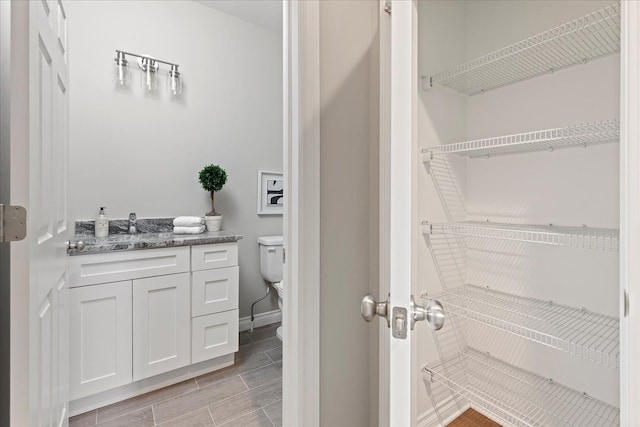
(153, 234)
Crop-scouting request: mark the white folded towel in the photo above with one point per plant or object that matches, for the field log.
(189, 230)
(188, 221)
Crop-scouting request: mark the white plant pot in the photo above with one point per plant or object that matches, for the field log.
(214, 223)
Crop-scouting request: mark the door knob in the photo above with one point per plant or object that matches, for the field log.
(433, 313)
(75, 245)
(370, 308)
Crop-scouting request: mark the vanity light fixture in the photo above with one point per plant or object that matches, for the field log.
(149, 76)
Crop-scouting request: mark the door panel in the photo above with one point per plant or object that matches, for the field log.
(161, 324)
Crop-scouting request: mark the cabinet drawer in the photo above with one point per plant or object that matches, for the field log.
(214, 335)
(100, 338)
(213, 291)
(214, 256)
(117, 266)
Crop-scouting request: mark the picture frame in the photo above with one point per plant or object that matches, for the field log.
(270, 193)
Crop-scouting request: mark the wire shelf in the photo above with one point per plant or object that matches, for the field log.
(543, 140)
(604, 239)
(589, 37)
(582, 333)
(516, 397)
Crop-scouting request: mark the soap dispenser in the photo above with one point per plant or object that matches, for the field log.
(102, 224)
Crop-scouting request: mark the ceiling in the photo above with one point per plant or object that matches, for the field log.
(265, 13)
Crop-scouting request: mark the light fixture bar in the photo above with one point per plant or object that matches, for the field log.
(144, 56)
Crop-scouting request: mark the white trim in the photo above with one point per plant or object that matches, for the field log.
(301, 346)
(262, 319)
(630, 213)
(20, 274)
(430, 418)
(402, 354)
(384, 194)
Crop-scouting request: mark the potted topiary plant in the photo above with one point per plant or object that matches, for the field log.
(212, 178)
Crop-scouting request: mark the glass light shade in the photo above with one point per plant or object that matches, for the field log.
(149, 76)
(121, 75)
(149, 79)
(174, 81)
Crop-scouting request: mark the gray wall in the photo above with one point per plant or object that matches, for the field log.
(130, 151)
(348, 215)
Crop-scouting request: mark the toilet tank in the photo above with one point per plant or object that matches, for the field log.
(271, 258)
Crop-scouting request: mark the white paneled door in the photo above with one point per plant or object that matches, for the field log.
(48, 225)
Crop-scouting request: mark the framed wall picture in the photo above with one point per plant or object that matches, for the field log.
(270, 193)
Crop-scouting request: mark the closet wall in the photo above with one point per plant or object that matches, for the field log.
(571, 187)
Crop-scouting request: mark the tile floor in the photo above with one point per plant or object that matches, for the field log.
(247, 394)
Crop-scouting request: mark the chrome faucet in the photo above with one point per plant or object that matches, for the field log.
(133, 223)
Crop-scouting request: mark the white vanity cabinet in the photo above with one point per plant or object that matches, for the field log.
(141, 319)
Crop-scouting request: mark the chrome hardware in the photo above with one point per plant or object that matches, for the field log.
(133, 223)
(74, 245)
(13, 223)
(433, 313)
(625, 303)
(370, 308)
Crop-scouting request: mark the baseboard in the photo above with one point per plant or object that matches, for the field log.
(447, 406)
(98, 400)
(262, 319)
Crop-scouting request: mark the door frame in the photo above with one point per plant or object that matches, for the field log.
(5, 198)
(630, 213)
(301, 131)
(20, 357)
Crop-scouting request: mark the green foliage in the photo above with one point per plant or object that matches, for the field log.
(212, 178)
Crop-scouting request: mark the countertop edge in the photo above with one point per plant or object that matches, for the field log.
(151, 243)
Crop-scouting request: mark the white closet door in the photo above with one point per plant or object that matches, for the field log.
(161, 325)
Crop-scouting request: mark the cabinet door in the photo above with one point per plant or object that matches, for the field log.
(161, 317)
(100, 338)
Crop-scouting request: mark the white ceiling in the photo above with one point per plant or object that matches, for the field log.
(265, 13)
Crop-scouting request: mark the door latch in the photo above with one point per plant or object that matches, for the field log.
(13, 223)
(399, 323)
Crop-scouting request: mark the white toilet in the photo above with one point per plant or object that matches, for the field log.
(271, 267)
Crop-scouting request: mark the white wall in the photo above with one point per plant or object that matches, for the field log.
(348, 210)
(130, 151)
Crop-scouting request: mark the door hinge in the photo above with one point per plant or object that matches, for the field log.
(13, 223)
(387, 7)
(625, 303)
(284, 256)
